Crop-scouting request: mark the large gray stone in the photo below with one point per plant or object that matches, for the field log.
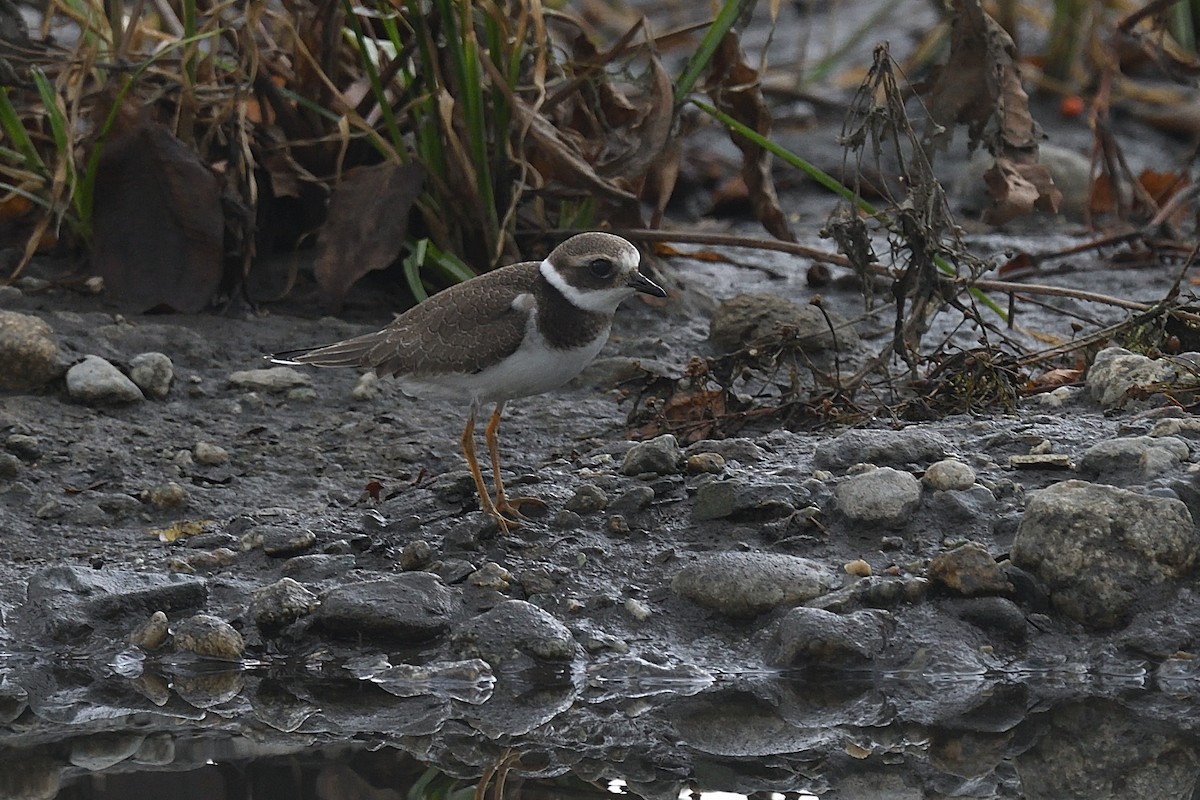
(96, 382)
(747, 584)
(412, 607)
(1115, 371)
(881, 447)
(1098, 547)
(27, 351)
(513, 634)
(1139, 457)
(883, 496)
(815, 637)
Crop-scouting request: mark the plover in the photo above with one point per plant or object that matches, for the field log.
(516, 331)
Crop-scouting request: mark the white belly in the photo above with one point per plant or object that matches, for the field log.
(533, 369)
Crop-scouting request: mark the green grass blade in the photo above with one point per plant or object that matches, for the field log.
(10, 120)
(727, 17)
(412, 270)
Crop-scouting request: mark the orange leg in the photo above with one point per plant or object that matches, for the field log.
(510, 506)
(485, 499)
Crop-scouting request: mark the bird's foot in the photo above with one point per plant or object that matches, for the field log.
(507, 523)
(512, 505)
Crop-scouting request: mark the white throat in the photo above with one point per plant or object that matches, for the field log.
(601, 301)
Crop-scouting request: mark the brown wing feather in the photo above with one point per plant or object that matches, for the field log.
(468, 324)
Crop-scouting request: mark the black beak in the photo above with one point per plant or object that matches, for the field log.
(643, 284)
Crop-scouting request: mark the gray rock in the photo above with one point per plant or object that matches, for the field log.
(815, 637)
(1141, 456)
(209, 637)
(1097, 548)
(68, 603)
(880, 447)
(742, 450)
(412, 607)
(883, 496)
(153, 373)
(25, 447)
(100, 751)
(632, 500)
(753, 317)
(997, 615)
(1115, 371)
(209, 454)
(748, 584)
(96, 382)
(278, 541)
(512, 634)
(281, 603)
(949, 473)
(741, 500)
(1186, 427)
(658, 456)
(975, 508)
(27, 351)
(587, 498)
(318, 566)
(416, 554)
(969, 570)
(274, 379)
(10, 466)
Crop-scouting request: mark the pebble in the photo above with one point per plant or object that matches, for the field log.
(277, 540)
(587, 498)
(209, 637)
(25, 447)
(169, 496)
(1095, 547)
(899, 448)
(367, 387)
(1187, 427)
(970, 570)
(1115, 371)
(281, 603)
(209, 454)
(705, 463)
(272, 379)
(658, 456)
(949, 473)
(153, 373)
(416, 554)
(491, 576)
(632, 500)
(27, 351)
(637, 609)
(96, 382)
(151, 634)
(857, 568)
(748, 584)
(884, 496)
(10, 466)
(318, 566)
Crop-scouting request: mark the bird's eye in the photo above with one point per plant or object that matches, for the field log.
(601, 267)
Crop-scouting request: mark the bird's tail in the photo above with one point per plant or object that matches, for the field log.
(348, 353)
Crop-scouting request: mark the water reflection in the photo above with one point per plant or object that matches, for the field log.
(370, 729)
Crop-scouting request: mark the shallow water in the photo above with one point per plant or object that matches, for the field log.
(128, 729)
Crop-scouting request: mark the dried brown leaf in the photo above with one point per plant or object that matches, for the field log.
(158, 222)
(980, 87)
(734, 87)
(367, 222)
